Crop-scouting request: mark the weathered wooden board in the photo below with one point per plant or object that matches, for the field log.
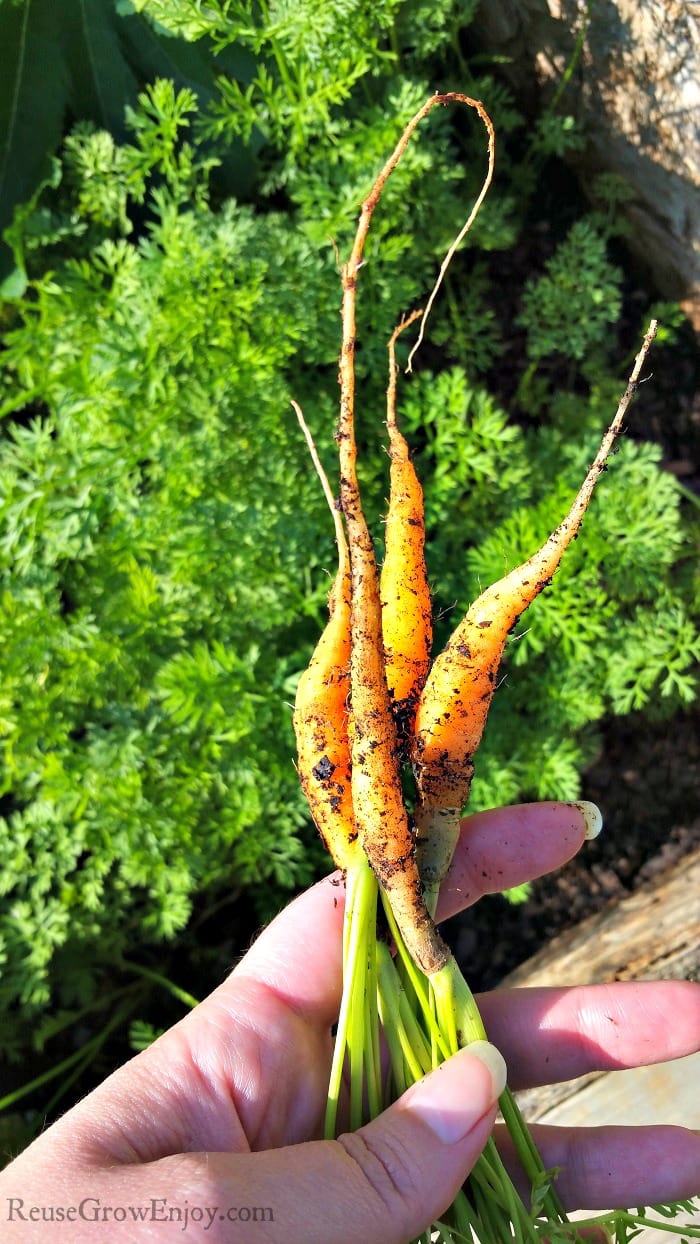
(635, 95)
(651, 935)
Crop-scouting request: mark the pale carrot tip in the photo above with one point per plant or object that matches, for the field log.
(593, 818)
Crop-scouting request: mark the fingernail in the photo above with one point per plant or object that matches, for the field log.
(494, 1060)
(453, 1098)
(593, 817)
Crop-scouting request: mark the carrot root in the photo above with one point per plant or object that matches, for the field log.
(356, 703)
(380, 815)
(320, 709)
(407, 627)
(456, 698)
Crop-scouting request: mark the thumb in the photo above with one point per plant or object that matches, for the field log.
(383, 1184)
(408, 1164)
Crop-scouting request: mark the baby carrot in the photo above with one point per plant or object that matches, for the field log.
(377, 796)
(380, 815)
(405, 594)
(456, 698)
(321, 706)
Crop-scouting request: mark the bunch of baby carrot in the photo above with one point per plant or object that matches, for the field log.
(371, 703)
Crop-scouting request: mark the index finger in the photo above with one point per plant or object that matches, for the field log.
(505, 847)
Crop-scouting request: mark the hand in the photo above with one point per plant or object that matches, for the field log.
(218, 1121)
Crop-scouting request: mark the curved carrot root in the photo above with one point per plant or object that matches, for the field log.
(457, 695)
(467, 224)
(380, 814)
(320, 708)
(403, 587)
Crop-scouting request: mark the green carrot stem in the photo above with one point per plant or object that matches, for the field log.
(446, 1236)
(463, 1214)
(78, 1056)
(388, 1001)
(415, 1036)
(621, 1221)
(489, 1214)
(529, 1155)
(157, 977)
(364, 939)
(471, 1028)
(359, 883)
(418, 981)
(442, 990)
(406, 1066)
(372, 1036)
(457, 1010)
(452, 991)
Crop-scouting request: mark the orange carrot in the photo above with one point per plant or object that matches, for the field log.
(377, 798)
(321, 706)
(404, 590)
(457, 695)
(383, 825)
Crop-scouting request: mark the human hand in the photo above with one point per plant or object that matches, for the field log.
(222, 1115)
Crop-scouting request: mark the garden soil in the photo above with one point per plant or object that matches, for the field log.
(646, 782)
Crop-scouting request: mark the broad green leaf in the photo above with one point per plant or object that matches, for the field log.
(101, 79)
(75, 60)
(34, 88)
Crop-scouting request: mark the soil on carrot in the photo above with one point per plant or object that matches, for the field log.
(645, 782)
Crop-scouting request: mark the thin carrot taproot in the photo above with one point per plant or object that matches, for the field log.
(454, 705)
(407, 626)
(380, 814)
(449, 254)
(321, 705)
(382, 821)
